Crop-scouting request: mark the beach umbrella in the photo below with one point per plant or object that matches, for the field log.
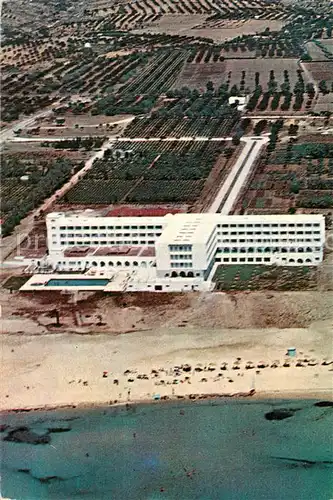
(262, 364)
(198, 369)
(187, 368)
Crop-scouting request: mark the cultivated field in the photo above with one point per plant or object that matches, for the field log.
(321, 71)
(29, 177)
(195, 26)
(152, 173)
(293, 177)
(196, 75)
(320, 50)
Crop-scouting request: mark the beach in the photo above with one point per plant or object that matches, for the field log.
(64, 369)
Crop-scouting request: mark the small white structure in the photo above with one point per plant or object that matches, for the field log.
(241, 100)
(87, 45)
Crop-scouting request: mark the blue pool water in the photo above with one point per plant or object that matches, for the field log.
(78, 282)
(230, 449)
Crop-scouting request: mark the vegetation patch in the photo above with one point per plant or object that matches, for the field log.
(252, 277)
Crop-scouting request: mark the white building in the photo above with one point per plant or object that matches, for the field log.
(176, 252)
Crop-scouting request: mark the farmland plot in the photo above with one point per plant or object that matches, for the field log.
(197, 75)
(296, 177)
(149, 174)
(321, 71)
(181, 127)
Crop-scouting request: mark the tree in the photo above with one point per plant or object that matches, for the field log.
(210, 86)
(323, 87)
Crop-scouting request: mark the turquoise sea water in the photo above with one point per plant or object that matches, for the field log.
(145, 452)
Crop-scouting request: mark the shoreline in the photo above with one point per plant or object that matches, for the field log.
(321, 394)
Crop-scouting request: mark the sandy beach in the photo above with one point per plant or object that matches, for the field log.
(52, 370)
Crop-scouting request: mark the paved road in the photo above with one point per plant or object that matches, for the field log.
(8, 133)
(230, 189)
(112, 139)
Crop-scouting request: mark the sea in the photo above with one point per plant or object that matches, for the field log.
(213, 449)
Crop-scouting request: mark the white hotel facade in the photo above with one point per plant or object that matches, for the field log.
(180, 251)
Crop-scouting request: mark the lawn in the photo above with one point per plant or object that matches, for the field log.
(252, 277)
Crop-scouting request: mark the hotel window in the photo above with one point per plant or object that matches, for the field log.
(258, 259)
(94, 227)
(62, 228)
(118, 227)
(110, 227)
(102, 227)
(86, 227)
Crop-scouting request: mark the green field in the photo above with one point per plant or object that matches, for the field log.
(252, 277)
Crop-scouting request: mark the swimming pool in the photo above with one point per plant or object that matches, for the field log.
(78, 282)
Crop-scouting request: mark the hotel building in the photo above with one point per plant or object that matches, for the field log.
(180, 251)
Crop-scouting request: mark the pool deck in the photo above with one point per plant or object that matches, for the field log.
(120, 280)
(39, 282)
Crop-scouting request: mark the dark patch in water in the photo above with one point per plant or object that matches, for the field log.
(46, 479)
(280, 414)
(4, 427)
(324, 404)
(301, 462)
(25, 435)
(59, 429)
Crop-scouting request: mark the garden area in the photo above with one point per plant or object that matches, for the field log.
(252, 277)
